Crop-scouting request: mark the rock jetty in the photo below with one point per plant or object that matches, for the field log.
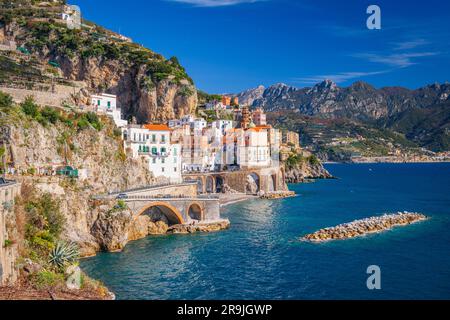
(365, 226)
(278, 195)
(210, 226)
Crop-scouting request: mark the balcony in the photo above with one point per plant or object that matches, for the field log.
(153, 154)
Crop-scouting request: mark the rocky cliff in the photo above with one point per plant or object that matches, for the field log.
(149, 87)
(305, 170)
(34, 146)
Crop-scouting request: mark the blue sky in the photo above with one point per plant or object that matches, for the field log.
(233, 45)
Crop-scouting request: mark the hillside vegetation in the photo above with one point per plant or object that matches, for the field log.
(149, 86)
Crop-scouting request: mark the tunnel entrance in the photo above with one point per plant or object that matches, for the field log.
(195, 212)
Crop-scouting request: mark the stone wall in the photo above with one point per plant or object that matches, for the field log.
(266, 180)
(185, 189)
(8, 250)
(44, 98)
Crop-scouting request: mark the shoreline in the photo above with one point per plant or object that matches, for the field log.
(384, 162)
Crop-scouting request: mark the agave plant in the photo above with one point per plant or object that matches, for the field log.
(64, 253)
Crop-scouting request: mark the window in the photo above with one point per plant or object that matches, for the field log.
(154, 160)
(163, 150)
(154, 150)
(153, 138)
(109, 104)
(163, 160)
(175, 169)
(162, 169)
(175, 151)
(98, 102)
(175, 160)
(163, 138)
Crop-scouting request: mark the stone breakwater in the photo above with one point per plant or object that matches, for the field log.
(365, 226)
(211, 226)
(278, 195)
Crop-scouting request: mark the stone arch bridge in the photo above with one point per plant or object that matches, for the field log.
(179, 203)
(180, 210)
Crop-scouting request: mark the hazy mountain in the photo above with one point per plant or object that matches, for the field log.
(359, 101)
(421, 116)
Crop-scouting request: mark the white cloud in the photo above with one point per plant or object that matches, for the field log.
(400, 60)
(338, 77)
(215, 3)
(406, 45)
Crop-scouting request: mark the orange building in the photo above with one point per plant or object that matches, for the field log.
(226, 100)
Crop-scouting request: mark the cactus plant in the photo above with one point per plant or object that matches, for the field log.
(64, 253)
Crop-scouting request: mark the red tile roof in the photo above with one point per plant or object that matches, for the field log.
(157, 127)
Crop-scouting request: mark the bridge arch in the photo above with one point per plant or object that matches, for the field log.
(172, 214)
(219, 183)
(195, 211)
(210, 185)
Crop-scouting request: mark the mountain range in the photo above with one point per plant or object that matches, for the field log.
(421, 116)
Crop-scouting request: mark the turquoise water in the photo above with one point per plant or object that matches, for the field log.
(260, 257)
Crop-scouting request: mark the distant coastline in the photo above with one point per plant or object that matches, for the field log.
(378, 160)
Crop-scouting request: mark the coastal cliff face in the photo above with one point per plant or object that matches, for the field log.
(159, 102)
(98, 153)
(306, 170)
(148, 86)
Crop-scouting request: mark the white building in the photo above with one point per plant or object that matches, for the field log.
(153, 142)
(107, 103)
(199, 124)
(187, 119)
(254, 149)
(174, 123)
(248, 148)
(215, 105)
(223, 125)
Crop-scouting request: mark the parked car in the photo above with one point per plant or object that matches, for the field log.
(122, 196)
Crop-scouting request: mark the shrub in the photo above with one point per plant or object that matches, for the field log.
(29, 107)
(8, 243)
(47, 279)
(121, 205)
(44, 215)
(93, 119)
(294, 160)
(83, 124)
(313, 160)
(6, 100)
(50, 114)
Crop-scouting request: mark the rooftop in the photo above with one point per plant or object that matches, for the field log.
(157, 127)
